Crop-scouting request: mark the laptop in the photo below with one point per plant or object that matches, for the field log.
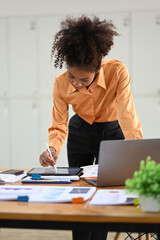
(119, 159)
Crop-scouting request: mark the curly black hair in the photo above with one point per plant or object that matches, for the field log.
(83, 42)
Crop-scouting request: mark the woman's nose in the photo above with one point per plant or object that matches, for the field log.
(77, 83)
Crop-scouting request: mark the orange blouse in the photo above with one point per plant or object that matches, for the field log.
(107, 99)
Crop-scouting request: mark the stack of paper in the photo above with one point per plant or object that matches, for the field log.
(50, 179)
(45, 193)
(112, 197)
(10, 178)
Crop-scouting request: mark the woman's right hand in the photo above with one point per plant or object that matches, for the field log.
(46, 160)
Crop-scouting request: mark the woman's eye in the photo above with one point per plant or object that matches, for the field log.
(85, 81)
(71, 76)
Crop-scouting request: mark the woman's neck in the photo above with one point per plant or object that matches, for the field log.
(92, 81)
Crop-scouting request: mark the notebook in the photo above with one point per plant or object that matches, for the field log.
(118, 159)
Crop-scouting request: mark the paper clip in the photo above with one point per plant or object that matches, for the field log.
(36, 177)
(78, 200)
(23, 198)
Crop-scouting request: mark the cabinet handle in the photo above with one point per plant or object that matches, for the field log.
(5, 93)
(33, 25)
(5, 110)
(158, 19)
(126, 21)
(34, 105)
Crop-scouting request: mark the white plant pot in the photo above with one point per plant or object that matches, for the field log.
(149, 204)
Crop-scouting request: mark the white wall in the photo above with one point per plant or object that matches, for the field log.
(39, 7)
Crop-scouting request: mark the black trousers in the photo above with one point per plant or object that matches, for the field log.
(84, 140)
(83, 148)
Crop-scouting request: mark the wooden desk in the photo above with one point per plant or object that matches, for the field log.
(68, 216)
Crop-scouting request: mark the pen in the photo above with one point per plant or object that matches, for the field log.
(51, 156)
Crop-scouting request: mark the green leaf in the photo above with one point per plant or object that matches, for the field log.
(146, 181)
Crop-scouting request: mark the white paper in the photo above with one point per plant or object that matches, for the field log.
(112, 197)
(62, 194)
(10, 178)
(92, 171)
(52, 194)
(58, 178)
(46, 180)
(75, 177)
(11, 192)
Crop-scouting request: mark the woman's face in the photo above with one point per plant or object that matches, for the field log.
(79, 78)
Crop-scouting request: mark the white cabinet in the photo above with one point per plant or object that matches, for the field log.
(121, 48)
(3, 58)
(146, 70)
(146, 52)
(4, 102)
(47, 28)
(45, 119)
(5, 144)
(23, 58)
(148, 109)
(45, 122)
(24, 133)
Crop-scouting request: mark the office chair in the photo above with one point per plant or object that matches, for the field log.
(139, 237)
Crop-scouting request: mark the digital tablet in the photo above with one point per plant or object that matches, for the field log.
(61, 171)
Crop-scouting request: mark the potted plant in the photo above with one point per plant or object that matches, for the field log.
(146, 184)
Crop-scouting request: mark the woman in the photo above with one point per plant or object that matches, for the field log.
(99, 92)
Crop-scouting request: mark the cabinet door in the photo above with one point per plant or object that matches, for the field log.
(3, 58)
(148, 109)
(47, 28)
(4, 134)
(45, 122)
(22, 56)
(146, 52)
(121, 47)
(24, 133)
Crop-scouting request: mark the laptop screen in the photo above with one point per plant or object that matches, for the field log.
(118, 159)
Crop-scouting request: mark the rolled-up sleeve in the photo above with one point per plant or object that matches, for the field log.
(59, 127)
(126, 112)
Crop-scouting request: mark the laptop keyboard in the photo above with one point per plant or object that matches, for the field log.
(91, 181)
